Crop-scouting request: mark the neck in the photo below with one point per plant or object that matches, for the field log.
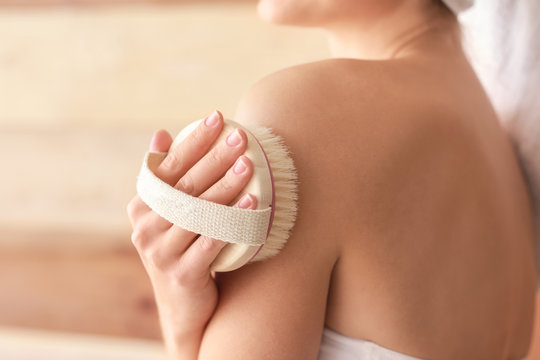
(404, 31)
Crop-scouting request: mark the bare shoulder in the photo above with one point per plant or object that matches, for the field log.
(275, 309)
(281, 302)
(303, 90)
(364, 120)
(345, 124)
(311, 98)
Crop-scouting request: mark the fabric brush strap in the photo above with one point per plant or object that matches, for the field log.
(223, 222)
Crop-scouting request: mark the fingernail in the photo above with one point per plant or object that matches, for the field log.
(212, 120)
(234, 138)
(158, 142)
(239, 167)
(245, 201)
(153, 146)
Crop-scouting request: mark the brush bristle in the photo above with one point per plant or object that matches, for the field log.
(285, 187)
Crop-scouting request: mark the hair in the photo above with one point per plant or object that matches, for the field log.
(502, 44)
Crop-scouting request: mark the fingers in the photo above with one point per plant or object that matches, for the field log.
(218, 175)
(195, 262)
(161, 141)
(144, 222)
(202, 177)
(146, 230)
(213, 165)
(136, 208)
(222, 192)
(230, 185)
(183, 156)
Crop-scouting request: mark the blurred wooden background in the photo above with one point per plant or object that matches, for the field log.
(35, 3)
(82, 89)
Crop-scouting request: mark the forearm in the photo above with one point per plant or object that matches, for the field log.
(183, 322)
(177, 260)
(182, 345)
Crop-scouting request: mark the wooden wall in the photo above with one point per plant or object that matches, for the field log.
(81, 94)
(81, 91)
(34, 3)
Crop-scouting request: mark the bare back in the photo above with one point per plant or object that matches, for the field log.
(441, 265)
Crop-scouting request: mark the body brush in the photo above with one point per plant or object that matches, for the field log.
(252, 234)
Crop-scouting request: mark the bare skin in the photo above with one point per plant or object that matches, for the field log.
(414, 230)
(424, 201)
(443, 267)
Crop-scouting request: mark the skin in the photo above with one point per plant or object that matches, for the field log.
(414, 228)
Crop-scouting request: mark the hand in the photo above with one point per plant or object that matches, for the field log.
(176, 260)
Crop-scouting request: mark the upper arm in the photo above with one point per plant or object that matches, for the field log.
(361, 150)
(275, 309)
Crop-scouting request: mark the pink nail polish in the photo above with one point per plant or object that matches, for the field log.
(239, 167)
(212, 120)
(153, 146)
(245, 201)
(234, 138)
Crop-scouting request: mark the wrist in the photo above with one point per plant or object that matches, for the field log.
(183, 345)
(183, 328)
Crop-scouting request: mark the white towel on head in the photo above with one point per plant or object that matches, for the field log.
(501, 39)
(458, 6)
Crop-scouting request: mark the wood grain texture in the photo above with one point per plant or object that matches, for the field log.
(34, 3)
(68, 180)
(138, 66)
(80, 95)
(82, 288)
(24, 344)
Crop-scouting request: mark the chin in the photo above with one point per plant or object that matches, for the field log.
(288, 12)
(321, 13)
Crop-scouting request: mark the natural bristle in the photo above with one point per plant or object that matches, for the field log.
(286, 190)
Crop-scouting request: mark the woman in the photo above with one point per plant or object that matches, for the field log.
(414, 237)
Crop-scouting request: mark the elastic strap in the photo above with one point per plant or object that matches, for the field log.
(222, 222)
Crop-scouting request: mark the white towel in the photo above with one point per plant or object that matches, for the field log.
(501, 38)
(458, 6)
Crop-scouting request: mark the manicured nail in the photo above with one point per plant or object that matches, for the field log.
(245, 201)
(240, 166)
(153, 146)
(212, 120)
(159, 143)
(234, 138)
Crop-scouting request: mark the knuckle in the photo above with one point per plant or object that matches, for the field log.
(141, 235)
(225, 185)
(132, 206)
(197, 136)
(139, 238)
(186, 184)
(216, 157)
(172, 160)
(156, 258)
(206, 243)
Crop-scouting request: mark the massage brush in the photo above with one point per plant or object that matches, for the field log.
(251, 234)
